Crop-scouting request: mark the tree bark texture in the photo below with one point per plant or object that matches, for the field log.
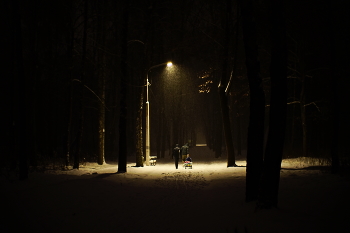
(69, 122)
(255, 139)
(101, 120)
(335, 95)
(123, 152)
(231, 161)
(79, 137)
(102, 87)
(335, 124)
(70, 43)
(303, 115)
(21, 102)
(139, 133)
(268, 193)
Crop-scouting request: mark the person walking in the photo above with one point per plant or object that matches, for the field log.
(185, 152)
(176, 154)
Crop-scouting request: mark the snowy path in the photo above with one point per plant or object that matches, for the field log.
(207, 198)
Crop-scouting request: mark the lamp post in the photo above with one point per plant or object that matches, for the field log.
(148, 142)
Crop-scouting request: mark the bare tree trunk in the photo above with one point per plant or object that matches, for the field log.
(335, 98)
(123, 146)
(11, 131)
(239, 136)
(21, 102)
(78, 96)
(292, 134)
(69, 123)
(255, 139)
(335, 122)
(165, 135)
(268, 193)
(101, 84)
(101, 120)
(303, 115)
(160, 130)
(217, 137)
(139, 147)
(227, 128)
(79, 137)
(231, 161)
(74, 96)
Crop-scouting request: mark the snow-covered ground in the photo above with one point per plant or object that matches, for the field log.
(207, 198)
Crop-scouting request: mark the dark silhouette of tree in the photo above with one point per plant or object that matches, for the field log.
(231, 162)
(20, 121)
(77, 143)
(335, 123)
(139, 134)
(122, 157)
(255, 141)
(71, 97)
(136, 73)
(268, 193)
(303, 113)
(101, 74)
(334, 79)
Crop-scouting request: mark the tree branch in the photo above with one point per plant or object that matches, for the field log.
(77, 80)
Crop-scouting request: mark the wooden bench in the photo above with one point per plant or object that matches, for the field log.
(152, 160)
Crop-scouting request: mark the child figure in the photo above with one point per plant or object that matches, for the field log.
(188, 162)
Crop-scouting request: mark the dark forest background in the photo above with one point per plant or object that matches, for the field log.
(73, 78)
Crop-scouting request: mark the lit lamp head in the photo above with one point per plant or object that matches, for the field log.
(169, 64)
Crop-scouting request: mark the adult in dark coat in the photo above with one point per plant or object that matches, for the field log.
(176, 155)
(185, 152)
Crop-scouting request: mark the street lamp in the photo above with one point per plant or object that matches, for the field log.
(148, 142)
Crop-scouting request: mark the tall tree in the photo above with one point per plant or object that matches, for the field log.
(101, 81)
(21, 101)
(255, 141)
(268, 192)
(77, 93)
(222, 89)
(334, 90)
(303, 113)
(139, 134)
(70, 48)
(122, 157)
